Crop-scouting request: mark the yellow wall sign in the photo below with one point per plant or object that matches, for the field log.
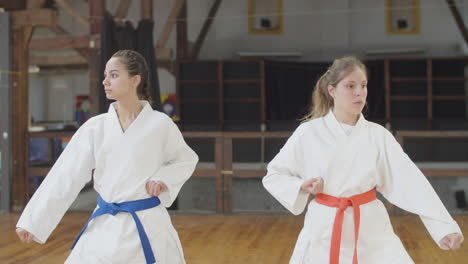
(402, 16)
(265, 16)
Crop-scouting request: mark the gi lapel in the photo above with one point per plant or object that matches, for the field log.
(347, 147)
(116, 122)
(118, 140)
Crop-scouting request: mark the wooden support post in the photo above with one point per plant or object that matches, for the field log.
(387, 90)
(147, 9)
(97, 10)
(262, 91)
(221, 95)
(182, 39)
(20, 114)
(219, 180)
(227, 174)
(22, 26)
(429, 99)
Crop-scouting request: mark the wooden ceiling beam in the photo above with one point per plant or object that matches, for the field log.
(60, 31)
(70, 9)
(64, 42)
(169, 65)
(458, 19)
(37, 17)
(170, 22)
(122, 9)
(34, 4)
(163, 53)
(204, 31)
(57, 60)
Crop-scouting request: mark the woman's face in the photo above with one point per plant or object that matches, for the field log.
(117, 82)
(349, 95)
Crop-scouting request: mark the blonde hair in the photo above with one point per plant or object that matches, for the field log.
(321, 98)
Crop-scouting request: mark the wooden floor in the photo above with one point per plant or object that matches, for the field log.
(223, 240)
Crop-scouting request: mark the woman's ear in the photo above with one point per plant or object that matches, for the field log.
(331, 90)
(136, 79)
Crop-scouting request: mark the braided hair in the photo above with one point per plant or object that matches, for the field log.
(136, 65)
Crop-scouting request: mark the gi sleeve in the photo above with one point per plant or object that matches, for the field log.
(285, 175)
(180, 162)
(403, 184)
(61, 186)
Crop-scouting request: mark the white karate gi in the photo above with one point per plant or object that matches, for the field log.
(152, 148)
(368, 158)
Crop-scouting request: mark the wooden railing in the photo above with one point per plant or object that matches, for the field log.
(402, 135)
(223, 171)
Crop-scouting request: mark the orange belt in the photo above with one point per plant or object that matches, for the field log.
(342, 204)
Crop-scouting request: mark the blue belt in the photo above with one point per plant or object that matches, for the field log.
(129, 207)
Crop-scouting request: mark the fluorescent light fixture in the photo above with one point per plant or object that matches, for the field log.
(290, 54)
(395, 51)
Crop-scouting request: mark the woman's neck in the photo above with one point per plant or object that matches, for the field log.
(344, 117)
(129, 108)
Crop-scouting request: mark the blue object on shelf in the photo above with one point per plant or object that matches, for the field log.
(38, 150)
